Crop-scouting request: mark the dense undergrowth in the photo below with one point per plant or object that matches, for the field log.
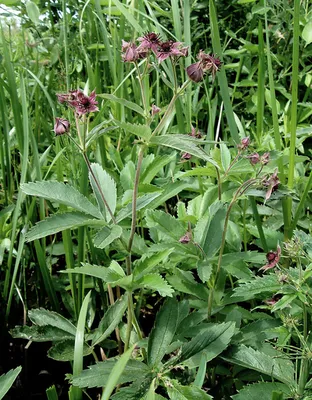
(154, 202)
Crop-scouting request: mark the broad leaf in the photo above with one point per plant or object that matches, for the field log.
(190, 392)
(96, 271)
(7, 380)
(266, 284)
(155, 166)
(43, 317)
(97, 375)
(171, 190)
(142, 131)
(142, 202)
(63, 194)
(147, 263)
(40, 333)
(137, 390)
(129, 104)
(213, 340)
(157, 283)
(106, 236)
(281, 368)
(57, 223)
(262, 390)
(163, 332)
(184, 282)
(181, 142)
(103, 185)
(64, 351)
(111, 319)
(170, 227)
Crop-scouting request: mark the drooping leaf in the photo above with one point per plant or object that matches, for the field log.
(281, 368)
(129, 104)
(155, 282)
(163, 331)
(63, 194)
(262, 390)
(177, 391)
(64, 351)
(97, 375)
(7, 380)
(40, 333)
(184, 282)
(96, 271)
(136, 390)
(213, 340)
(182, 143)
(57, 223)
(103, 185)
(43, 317)
(111, 319)
(106, 236)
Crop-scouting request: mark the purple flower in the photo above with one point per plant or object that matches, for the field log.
(273, 258)
(155, 109)
(206, 63)
(271, 183)
(186, 238)
(245, 142)
(130, 52)
(171, 49)
(61, 126)
(195, 133)
(150, 40)
(84, 104)
(186, 156)
(66, 97)
(265, 158)
(254, 158)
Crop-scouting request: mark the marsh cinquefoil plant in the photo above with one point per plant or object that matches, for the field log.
(149, 226)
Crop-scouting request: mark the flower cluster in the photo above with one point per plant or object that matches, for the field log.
(207, 63)
(151, 42)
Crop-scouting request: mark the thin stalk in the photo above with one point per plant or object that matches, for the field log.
(302, 202)
(258, 223)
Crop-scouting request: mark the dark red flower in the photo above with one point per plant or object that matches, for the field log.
(186, 156)
(245, 142)
(273, 258)
(186, 238)
(66, 97)
(171, 49)
(84, 104)
(206, 63)
(130, 52)
(271, 183)
(195, 133)
(195, 72)
(155, 109)
(254, 158)
(150, 40)
(61, 126)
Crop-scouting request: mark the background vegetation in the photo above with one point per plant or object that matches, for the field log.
(155, 255)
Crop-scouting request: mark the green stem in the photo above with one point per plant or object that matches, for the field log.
(258, 223)
(302, 202)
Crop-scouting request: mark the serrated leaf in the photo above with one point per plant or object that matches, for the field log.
(40, 333)
(64, 351)
(7, 380)
(57, 223)
(281, 368)
(163, 332)
(97, 375)
(169, 191)
(155, 166)
(213, 340)
(177, 391)
(124, 102)
(101, 178)
(142, 202)
(165, 223)
(43, 317)
(181, 143)
(63, 194)
(184, 282)
(267, 283)
(106, 236)
(157, 283)
(262, 390)
(96, 271)
(111, 319)
(142, 131)
(136, 390)
(149, 262)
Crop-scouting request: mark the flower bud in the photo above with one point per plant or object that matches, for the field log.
(61, 126)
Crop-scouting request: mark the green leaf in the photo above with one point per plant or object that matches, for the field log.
(63, 194)
(106, 236)
(155, 166)
(155, 282)
(33, 12)
(137, 390)
(281, 368)
(265, 284)
(142, 131)
(163, 331)
(190, 392)
(51, 393)
(129, 104)
(142, 202)
(172, 228)
(213, 340)
(42, 317)
(116, 373)
(184, 282)
(57, 223)
(40, 333)
(111, 319)
(172, 189)
(225, 156)
(64, 351)
(262, 390)
(182, 143)
(96, 271)
(7, 380)
(307, 33)
(97, 375)
(101, 178)
(149, 262)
